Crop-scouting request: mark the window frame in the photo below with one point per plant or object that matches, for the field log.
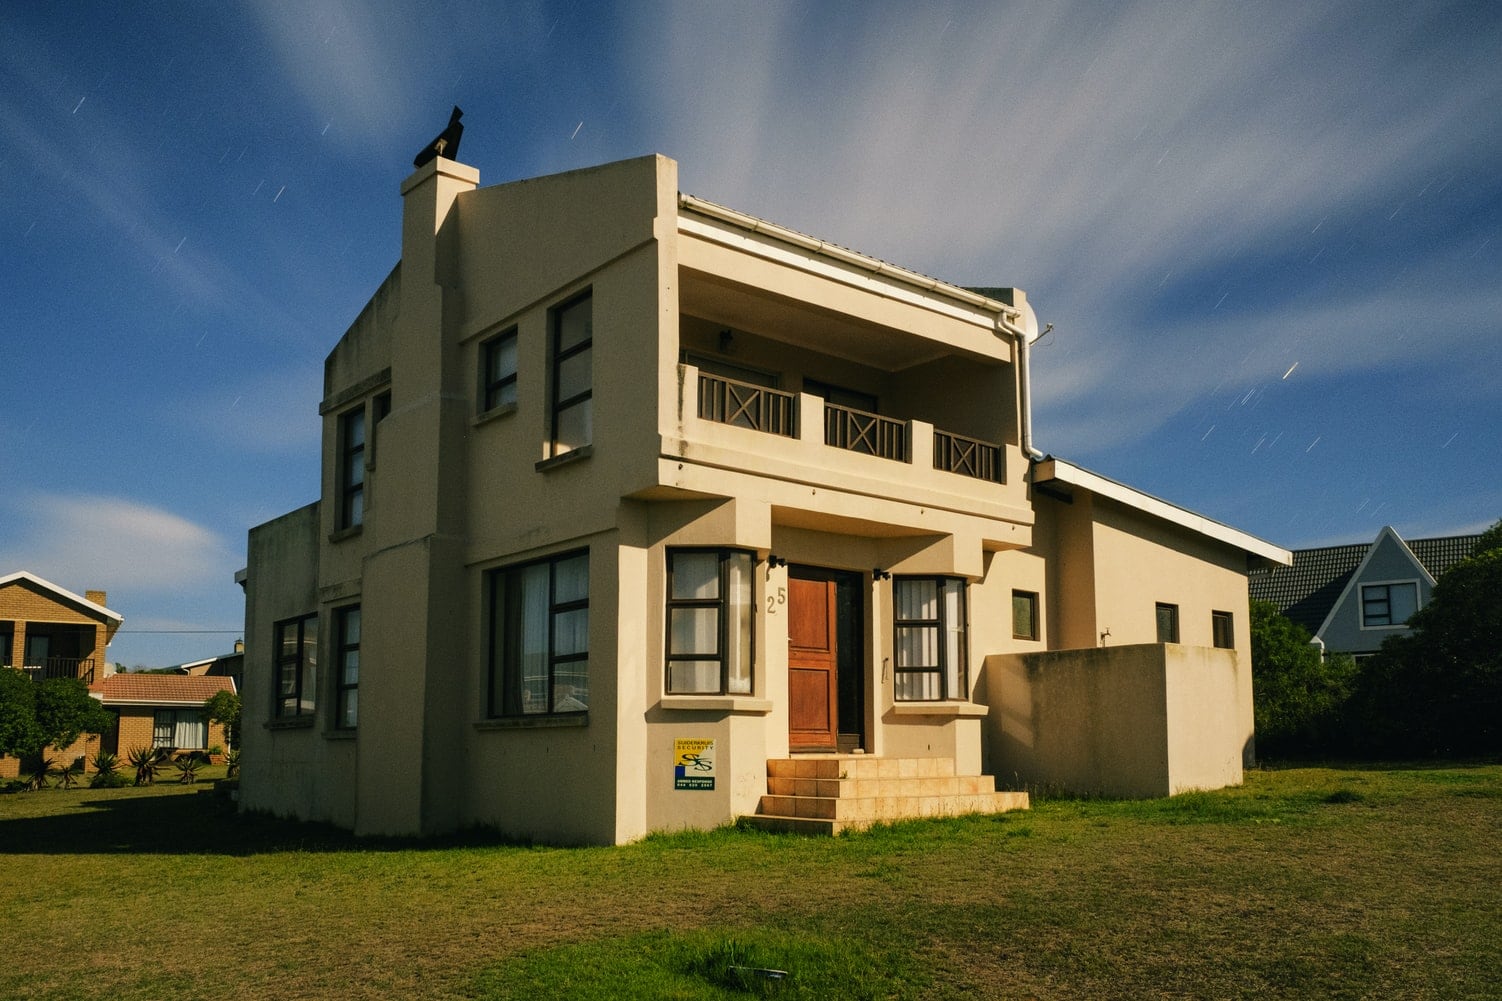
(305, 668)
(346, 693)
(504, 679)
(1222, 630)
(1031, 597)
(1386, 586)
(944, 630)
(558, 356)
(492, 385)
(721, 606)
(351, 511)
(199, 720)
(1172, 611)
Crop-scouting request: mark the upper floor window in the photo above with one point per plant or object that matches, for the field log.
(572, 381)
(1024, 615)
(709, 621)
(1222, 630)
(296, 646)
(1388, 604)
(352, 467)
(1168, 623)
(347, 661)
(498, 371)
(929, 620)
(539, 639)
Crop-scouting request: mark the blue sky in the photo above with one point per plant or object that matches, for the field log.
(1267, 235)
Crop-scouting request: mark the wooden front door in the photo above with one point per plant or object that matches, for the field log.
(813, 659)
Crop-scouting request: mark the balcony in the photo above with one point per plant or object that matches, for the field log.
(772, 411)
(81, 668)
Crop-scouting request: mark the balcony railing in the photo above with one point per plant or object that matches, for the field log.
(81, 668)
(867, 433)
(955, 453)
(728, 401)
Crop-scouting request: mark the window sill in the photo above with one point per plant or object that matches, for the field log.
(494, 414)
(290, 723)
(349, 734)
(533, 722)
(717, 703)
(340, 535)
(958, 710)
(582, 452)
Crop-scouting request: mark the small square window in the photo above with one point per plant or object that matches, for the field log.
(1168, 623)
(1024, 615)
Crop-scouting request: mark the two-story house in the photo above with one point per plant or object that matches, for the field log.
(640, 513)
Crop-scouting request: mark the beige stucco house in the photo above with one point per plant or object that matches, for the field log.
(641, 513)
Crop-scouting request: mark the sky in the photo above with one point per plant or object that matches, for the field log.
(1268, 236)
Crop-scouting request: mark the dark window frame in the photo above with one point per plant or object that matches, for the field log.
(344, 689)
(942, 647)
(1167, 615)
(1223, 630)
(559, 355)
(504, 683)
(492, 383)
(1031, 597)
(721, 606)
(305, 669)
(1370, 602)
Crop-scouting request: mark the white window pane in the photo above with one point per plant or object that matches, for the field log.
(571, 579)
(351, 667)
(352, 626)
(350, 712)
(571, 687)
(1405, 602)
(502, 358)
(575, 427)
(534, 639)
(739, 603)
(694, 677)
(571, 632)
(954, 638)
(694, 630)
(916, 599)
(573, 375)
(575, 324)
(917, 687)
(696, 575)
(917, 646)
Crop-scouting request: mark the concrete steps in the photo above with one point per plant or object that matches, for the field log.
(830, 793)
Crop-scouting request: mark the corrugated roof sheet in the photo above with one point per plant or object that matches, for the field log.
(1306, 590)
(163, 689)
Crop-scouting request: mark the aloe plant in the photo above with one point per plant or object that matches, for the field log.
(187, 769)
(146, 761)
(232, 760)
(67, 775)
(38, 778)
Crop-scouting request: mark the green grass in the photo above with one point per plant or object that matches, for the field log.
(1305, 882)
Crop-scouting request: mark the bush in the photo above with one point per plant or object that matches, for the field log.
(147, 761)
(1298, 693)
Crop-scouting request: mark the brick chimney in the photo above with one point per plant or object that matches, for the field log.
(97, 597)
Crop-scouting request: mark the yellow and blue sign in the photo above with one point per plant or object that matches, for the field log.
(693, 763)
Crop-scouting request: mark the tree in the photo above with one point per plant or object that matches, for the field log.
(224, 707)
(1438, 690)
(1297, 691)
(35, 715)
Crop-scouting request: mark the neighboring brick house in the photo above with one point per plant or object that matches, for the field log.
(50, 632)
(161, 710)
(1352, 597)
(638, 513)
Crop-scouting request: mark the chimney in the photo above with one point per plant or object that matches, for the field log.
(239, 646)
(97, 597)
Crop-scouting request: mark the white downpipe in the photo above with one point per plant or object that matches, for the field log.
(1024, 385)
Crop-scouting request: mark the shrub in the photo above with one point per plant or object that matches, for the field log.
(187, 766)
(67, 775)
(38, 777)
(232, 760)
(147, 761)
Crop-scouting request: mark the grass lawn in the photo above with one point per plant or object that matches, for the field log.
(1305, 882)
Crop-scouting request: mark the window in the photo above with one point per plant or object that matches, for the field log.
(573, 404)
(929, 619)
(347, 659)
(1168, 623)
(180, 730)
(709, 622)
(1024, 615)
(498, 371)
(1388, 604)
(1222, 630)
(352, 468)
(539, 642)
(296, 666)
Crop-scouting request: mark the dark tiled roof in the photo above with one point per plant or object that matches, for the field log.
(1306, 590)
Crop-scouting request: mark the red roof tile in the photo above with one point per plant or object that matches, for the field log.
(161, 689)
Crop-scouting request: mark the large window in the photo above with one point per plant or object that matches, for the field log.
(1388, 604)
(180, 729)
(498, 371)
(347, 663)
(1222, 630)
(352, 467)
(539, 641)
(296, 667)
(1168, 623)
(929, 614)
(573, 347)
(709, 622)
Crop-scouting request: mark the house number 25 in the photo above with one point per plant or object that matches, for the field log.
(773, 600)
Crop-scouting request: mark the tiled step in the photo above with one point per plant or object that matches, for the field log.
(824, 794)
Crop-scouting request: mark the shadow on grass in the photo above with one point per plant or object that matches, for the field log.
(143, 822)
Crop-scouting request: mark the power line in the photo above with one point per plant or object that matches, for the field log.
(166, 632)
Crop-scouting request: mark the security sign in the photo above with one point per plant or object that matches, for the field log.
(693, 763)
